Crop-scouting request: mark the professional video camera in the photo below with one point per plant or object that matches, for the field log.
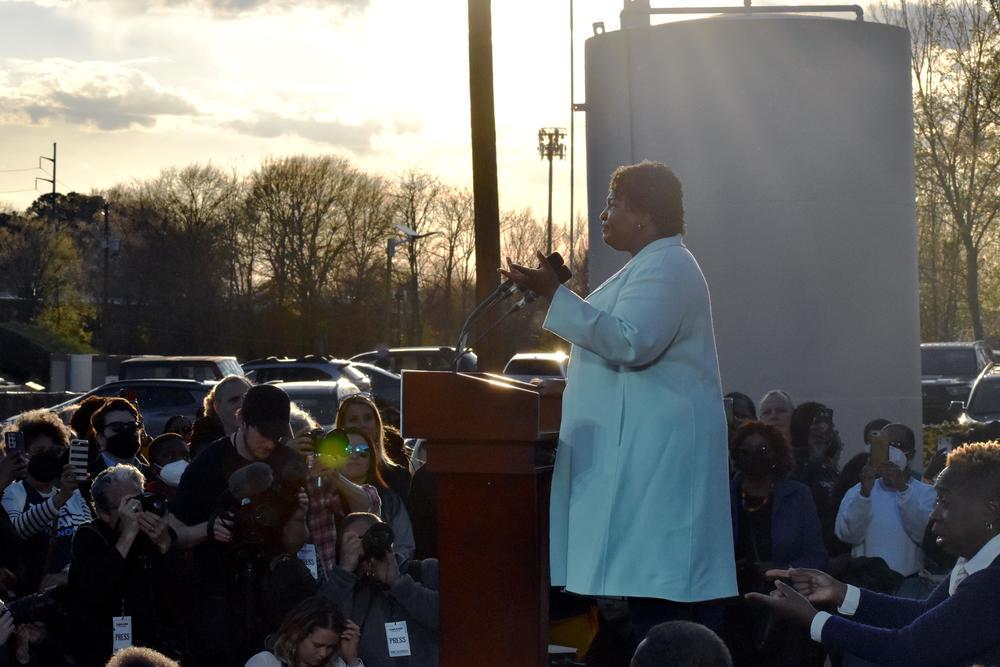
(260, 502)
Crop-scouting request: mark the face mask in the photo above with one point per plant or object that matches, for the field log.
(45, 467)
(171, 473)
(753, 465)
(898, 458)
(124, 445)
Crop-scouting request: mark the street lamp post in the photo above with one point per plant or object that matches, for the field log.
(550, 145)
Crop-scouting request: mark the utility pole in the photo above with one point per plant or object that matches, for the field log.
(107, 268)
(486, 200)
(550, 145)
(52, 205)
(390, 252)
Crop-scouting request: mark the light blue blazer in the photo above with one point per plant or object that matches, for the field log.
(640, 493)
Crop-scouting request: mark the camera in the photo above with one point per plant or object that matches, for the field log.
(153, 503)
(37, 607)
(377, 541)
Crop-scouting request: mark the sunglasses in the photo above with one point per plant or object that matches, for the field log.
(122, 427)
(336, 445)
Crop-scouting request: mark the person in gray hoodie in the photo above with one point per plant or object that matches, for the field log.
(394, 603)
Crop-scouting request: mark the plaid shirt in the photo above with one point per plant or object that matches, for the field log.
(326, 509)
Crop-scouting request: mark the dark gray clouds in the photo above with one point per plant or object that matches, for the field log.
(356, 138)
(101, 95)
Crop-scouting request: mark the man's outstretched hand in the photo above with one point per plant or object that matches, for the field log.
(786, 603)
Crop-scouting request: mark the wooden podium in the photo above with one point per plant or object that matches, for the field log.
(490, 444)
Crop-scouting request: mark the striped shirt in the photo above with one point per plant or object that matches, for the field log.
(30, 520)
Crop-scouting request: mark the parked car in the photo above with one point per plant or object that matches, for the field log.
(387, 389)
(310, 368)
(983, 405)
(319, 398)
(948, 371)
(186, 368)
(419, 358)
(525, 366)
(158, 400)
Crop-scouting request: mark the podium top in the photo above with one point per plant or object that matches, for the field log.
(443, 405)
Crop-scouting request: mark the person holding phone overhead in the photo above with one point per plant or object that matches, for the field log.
(636, 507)
(886, 513)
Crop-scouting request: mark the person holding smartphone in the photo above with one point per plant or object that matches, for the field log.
(46, 507)
(886, 513)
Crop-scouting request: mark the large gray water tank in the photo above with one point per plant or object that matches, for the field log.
(793, 139)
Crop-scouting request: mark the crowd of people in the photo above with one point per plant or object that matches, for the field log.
(248, 536)
(252, 537)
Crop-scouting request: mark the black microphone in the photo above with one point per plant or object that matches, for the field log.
(564, 275)
(250, 481)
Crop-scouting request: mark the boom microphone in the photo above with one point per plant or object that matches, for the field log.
(250, 481)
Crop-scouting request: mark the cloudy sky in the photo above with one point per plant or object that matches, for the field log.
(129, 87)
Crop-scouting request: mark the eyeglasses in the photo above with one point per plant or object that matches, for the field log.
(122, 427)
(336, 445)
(362, 450)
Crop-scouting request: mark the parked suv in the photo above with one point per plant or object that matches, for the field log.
(158, 400)
(948, 371)
(419, 358)
(184, 368)
(305, 369)
(983, 405)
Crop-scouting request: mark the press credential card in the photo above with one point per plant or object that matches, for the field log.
(122, 629)
(398, 639)
(307, 554)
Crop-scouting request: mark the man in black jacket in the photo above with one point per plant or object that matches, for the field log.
(121, 576)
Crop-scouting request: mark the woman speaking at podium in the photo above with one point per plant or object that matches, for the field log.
(640, 504)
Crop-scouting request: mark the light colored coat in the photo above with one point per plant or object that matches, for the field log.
(640, 493)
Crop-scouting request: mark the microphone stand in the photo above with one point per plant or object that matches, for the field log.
(499, 294)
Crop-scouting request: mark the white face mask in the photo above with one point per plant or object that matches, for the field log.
(898, 458)
(171, 473)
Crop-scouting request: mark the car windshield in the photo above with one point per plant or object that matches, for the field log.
(536, 367)
(322, 406)
(985, 399)
(947, 361)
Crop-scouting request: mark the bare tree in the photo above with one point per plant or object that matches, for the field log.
(417, 194)
(954, 60)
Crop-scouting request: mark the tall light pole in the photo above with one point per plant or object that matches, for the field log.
(550, 145)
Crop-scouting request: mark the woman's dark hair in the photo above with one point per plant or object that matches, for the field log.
(314, 613)
(777, 447)
(80, 421)
(374, 473)
(739, 396)
(38, 423)
(652, 188)
(802, 419)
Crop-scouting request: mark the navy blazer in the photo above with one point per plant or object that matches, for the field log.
(959, 629)
(796, 534)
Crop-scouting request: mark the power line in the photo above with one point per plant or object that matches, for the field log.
(10, 171)
(7, 192)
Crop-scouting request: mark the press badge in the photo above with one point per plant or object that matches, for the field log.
(307, 554)
(398, 639)
(121, 627)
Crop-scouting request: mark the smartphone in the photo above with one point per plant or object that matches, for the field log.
(14, 442)
(79, 457)
(727, 402)
(945, 443)
(824, 419)
(880, 449)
